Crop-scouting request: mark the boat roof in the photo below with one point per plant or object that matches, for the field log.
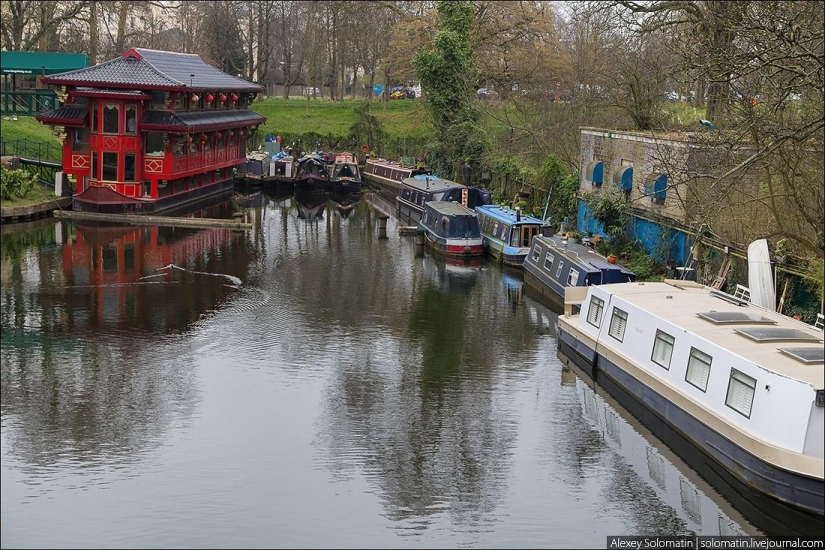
(681, 302)
(344, 158)
(430, 183)
(581, 255)
(449, 208)
(507, 215)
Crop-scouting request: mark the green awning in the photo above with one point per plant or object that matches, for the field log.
(39, 62)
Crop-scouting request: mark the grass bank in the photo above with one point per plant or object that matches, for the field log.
(29, 138)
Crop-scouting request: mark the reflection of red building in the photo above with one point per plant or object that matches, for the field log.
(116, 273)
(151, 130)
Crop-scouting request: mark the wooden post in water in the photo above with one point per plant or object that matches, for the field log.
(382, 226)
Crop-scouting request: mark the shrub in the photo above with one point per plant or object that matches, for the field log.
(15, 184)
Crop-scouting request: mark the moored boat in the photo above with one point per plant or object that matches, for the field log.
(255, 169)
(741, 383)
(507, 233)
(388, 175)
(312, 175)
(418, 190)
(553, 263)
(451, 230)
(345, 176)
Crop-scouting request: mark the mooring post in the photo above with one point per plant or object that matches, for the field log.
(419, 236)
(382, 226)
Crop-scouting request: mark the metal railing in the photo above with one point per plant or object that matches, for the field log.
(35, 150)
(27, 103)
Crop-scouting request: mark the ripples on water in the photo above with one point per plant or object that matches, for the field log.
(305, 384)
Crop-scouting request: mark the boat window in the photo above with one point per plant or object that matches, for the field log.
(558, 269)
(594, 312)
(548, 260)
(536, 255)
(95, 166)
(698, 369)
(572, 277)
(662, 349)
(494, 232)
(741, 389)
(153, 144)
(618, 323)
(437, 196)
(515, 236)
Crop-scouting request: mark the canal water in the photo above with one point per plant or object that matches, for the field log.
(306, 383)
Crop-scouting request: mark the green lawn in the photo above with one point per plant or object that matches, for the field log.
(28, 133)
(400, 118)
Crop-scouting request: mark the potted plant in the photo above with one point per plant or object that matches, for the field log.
(611, 258)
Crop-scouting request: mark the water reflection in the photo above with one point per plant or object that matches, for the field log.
(307, 382)
(84, 307)
(647, 468)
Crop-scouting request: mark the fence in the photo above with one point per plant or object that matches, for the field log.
(27, 103)
(35, 150)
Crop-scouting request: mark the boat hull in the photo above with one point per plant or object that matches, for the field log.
(800, 493)
(107, 201)
(311, 185)
(336, 186)
(454, 248)
(503, 255)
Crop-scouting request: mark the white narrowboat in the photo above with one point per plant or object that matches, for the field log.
(743, 384)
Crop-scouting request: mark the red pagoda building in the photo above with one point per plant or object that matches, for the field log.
(151, 131)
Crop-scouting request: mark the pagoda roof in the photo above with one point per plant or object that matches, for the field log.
(70, 115)
(199, 121)
(152, 69)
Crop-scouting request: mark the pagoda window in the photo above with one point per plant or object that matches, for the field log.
(110, 166)
(179, 148)
(80, 140)
(131, 119)
(179, 101)
(153, 144)
(160, 99)
(207, 145)
(129, 167)
(193, 148)
(95, 166)
(93, 111)
(111, 116)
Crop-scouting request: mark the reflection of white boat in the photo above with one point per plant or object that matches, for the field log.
(760, 280)
(667, 475)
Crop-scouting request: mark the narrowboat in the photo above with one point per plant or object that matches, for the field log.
(254, 171)
(345, 176)
(554, 263)
(312, 175)
(741, 384)
(423, 188)
(507, 234)
(388, 175)
(151, 131)
(451, 230)
(282, 170)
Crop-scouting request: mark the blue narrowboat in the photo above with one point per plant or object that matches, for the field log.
(554, 263)
(451, 230)
(418, 190)
(507, 234)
